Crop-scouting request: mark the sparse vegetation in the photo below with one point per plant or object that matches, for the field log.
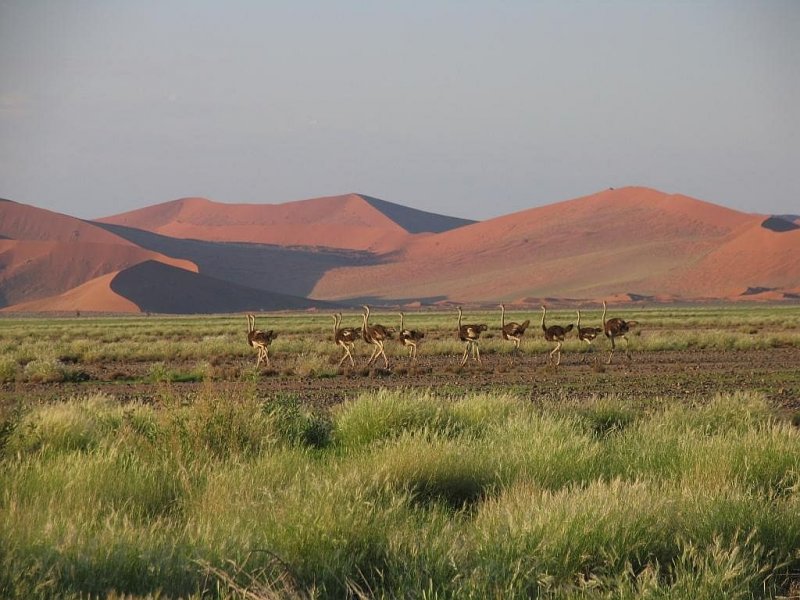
(303, 338)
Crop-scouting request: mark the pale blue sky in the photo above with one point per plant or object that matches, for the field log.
(474, 109)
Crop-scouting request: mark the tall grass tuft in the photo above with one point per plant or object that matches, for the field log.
(44, 370)
(385, 414)
(9, 369)
(607, 415)
(78, 424)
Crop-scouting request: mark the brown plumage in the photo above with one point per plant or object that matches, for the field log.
(587, 334)
(512, 331)
(469, 334)
(260, 340)
(410, 338)
(555, 333)
(345, 337)
(614, 328)
(376, 335)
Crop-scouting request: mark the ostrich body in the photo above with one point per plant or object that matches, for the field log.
(345, 337)
(614, 328)
(512, 331)
(587, 334)
(555, 333)
(260, 340)
(376, 335)
(469, 334)
(410, 338)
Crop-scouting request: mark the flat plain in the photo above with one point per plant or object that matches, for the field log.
(674, 353)
(149, 457)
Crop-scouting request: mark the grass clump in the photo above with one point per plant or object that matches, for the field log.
(297, 424)
(44, 370)
(387, 414)
(433, 468)
(160, 373)
(9, 369)
(607, 415)
(80, 424)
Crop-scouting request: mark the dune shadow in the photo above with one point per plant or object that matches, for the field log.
(293, 271)
(780, 224)
(414, 220)
(376, 301)
(160, 288)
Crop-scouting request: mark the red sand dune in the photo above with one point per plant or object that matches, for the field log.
(630, 240)
(347, 221)
(26, 222)
(37, 270)
(755, 257)
(160, 288)
(47, 253)
(626, 245)
(95, 295)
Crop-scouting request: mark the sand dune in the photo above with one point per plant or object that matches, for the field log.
(628, 245)
(349, 222)
(93, 296)
(630, 240)
(757, 257)
(26, 222)
(288, 270)
(156, 287)
(45, 254)
(33, 270)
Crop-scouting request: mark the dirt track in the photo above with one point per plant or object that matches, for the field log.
(646, 376)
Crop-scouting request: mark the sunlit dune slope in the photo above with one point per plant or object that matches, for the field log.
(44, 254)
(93, 296)
(617, 241)
(350, 221)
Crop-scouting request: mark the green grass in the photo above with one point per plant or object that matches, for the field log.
(304, 346)
(398, 493)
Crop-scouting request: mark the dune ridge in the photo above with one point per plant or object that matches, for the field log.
(349, 221)
(632, 244)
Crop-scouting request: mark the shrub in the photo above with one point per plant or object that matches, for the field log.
(607, 415)
(296, 423)
(8, 369)
(44, 370)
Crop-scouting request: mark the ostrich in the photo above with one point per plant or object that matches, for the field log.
(555, 333)
(614, 328)
(512, 331)
(345, 337)
(375, 335)
(587, 334)
(410, 338)
(260, 340)
(469, 334)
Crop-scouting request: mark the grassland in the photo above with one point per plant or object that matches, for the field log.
(42, 350)
(222, 482)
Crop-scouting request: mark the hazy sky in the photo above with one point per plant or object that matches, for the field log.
(474, 109)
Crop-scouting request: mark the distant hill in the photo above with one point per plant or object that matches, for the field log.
(626, 241)
(44, 253)
(288, 270)
(351, 222)
(193, 255)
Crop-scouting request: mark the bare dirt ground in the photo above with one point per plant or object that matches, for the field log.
(645, 376)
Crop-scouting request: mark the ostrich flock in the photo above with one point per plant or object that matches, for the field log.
(377, 335)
